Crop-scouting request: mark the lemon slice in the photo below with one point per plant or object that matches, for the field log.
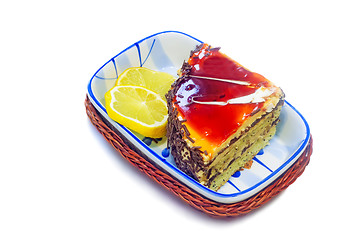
(138, 109)
(159, 82)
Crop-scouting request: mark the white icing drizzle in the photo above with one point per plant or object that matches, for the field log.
(257, 97)
(222, 80)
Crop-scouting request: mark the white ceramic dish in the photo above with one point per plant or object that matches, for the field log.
(166, 51)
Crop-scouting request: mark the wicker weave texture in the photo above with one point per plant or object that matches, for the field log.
(194, 199)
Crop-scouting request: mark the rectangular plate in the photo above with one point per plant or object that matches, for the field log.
(166, 51)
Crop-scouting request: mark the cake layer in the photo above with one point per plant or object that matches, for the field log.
(241, 150)
(220, 116)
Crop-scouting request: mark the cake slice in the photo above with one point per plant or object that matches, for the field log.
(220, 116)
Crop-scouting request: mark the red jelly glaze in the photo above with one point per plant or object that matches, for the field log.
(212, 122)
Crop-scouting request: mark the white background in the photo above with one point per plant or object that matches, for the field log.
(59, 179)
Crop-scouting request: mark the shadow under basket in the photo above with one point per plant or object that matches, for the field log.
(194, 199)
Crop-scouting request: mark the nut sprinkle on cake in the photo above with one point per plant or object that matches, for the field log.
(220, 116)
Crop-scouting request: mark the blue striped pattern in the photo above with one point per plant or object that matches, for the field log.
(237, 174)
(141, 63)
(262, 164)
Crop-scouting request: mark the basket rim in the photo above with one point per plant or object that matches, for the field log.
(221, 197)
(194, 199)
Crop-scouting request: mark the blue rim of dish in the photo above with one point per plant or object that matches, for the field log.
(294, 155)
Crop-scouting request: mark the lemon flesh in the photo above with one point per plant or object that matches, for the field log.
(159, 82)
(138, 109)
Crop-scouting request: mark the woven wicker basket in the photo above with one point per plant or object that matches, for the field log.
(194, 199)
